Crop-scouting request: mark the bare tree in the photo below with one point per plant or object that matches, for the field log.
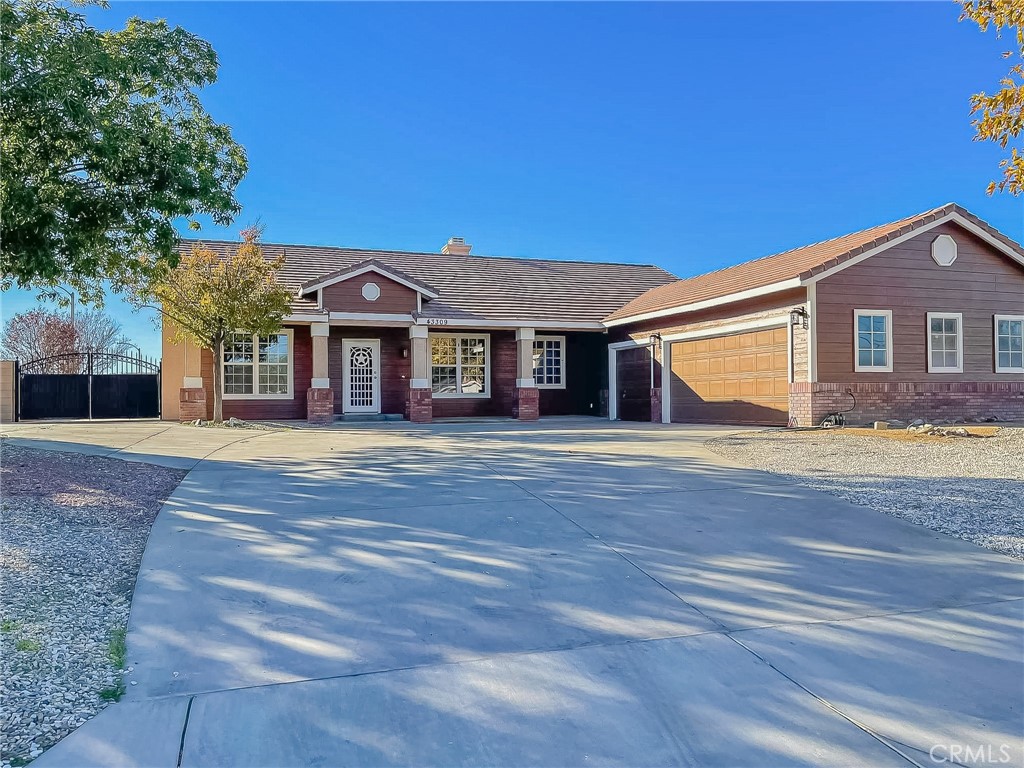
(40, 333)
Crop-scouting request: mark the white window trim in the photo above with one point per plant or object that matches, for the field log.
(290, 333)
(561, 362)
(857, 367)
(995, 343)
(959, 317)
(487, 366)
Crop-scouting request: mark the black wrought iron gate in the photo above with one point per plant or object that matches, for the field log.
(89, 385)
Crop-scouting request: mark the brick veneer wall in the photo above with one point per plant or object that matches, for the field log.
(527, 407)
(191, 403)
(419, 408)
(810, 403)
(656, 405)
(320, 405)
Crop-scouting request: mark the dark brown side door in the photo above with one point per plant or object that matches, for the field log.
(633, 380)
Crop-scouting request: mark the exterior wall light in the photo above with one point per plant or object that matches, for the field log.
(798, 316)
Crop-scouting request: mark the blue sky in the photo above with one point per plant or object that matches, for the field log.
(692, 136)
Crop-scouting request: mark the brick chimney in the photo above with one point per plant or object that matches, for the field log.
(456, 246)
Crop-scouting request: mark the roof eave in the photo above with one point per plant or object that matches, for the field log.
(751, 293)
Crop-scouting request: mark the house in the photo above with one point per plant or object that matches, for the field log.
(417, 335)
(919, 317)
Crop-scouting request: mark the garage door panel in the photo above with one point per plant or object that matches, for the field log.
(740, 378)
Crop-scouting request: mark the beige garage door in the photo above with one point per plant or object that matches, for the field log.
(737, 379)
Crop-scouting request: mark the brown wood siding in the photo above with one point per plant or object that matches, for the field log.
(633, 383)
(741, 378)
(395, 369)
(980, 283)
(347, 296)
(294, 408)
(741, 311)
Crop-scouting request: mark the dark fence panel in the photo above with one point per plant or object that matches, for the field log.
(125, 396)
(54, 396)
(120, 387)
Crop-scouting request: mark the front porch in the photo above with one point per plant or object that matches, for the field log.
(417, 373)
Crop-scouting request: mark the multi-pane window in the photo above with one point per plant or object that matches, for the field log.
(238, 364)
(549, 361)
(945, 342)
(273, 365)
(458, 365)
(1009, 338)
(257, 366)
(872, 335)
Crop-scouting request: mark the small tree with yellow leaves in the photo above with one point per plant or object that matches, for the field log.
(1000, 116)
(208, 298)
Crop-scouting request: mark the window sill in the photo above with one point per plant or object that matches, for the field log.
(459, 396)
(1017, 371)
(875, 369)
(288, 396)
(945, 370)
(551, 386)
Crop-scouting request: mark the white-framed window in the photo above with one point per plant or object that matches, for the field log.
(549, 362)
(945, 342)
(1009, 343)
(872, 340)
(460, 364)
(258, 367)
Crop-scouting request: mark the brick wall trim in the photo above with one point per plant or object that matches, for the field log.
(809, 403)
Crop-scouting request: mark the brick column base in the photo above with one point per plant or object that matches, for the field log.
(320, 405)
(656, 405)
(191, 403)
(421, 406)
(527, 407)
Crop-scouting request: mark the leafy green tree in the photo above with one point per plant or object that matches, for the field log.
(207, 297)
(105, 144)
(1000, 115)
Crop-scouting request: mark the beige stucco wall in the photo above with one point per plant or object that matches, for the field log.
(178, 361)
(7, 384)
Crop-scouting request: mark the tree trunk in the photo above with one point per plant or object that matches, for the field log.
(218, 380)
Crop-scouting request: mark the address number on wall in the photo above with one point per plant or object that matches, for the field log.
(435, 321)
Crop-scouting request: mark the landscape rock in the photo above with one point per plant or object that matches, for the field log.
(74, 528)
(964, 488)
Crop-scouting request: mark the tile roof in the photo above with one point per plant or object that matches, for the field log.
(469, 287)
(801, 263)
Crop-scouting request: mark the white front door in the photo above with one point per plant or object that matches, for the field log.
(361, 376)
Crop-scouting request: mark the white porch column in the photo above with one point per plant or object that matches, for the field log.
(421, 399)
(420, 356)
(320, 396)
(321, 372)
(527, 396)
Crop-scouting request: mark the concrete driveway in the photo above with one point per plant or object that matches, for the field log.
(568, 593)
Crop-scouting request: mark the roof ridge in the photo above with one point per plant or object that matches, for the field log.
(427, 253)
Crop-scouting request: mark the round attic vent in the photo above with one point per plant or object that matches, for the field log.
(371, 291)
(944, 250)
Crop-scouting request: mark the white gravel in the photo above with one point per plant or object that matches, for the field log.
(73, 531)
(972, 488)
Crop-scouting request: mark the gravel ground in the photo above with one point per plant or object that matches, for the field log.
(967, 487)
(73, 531)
